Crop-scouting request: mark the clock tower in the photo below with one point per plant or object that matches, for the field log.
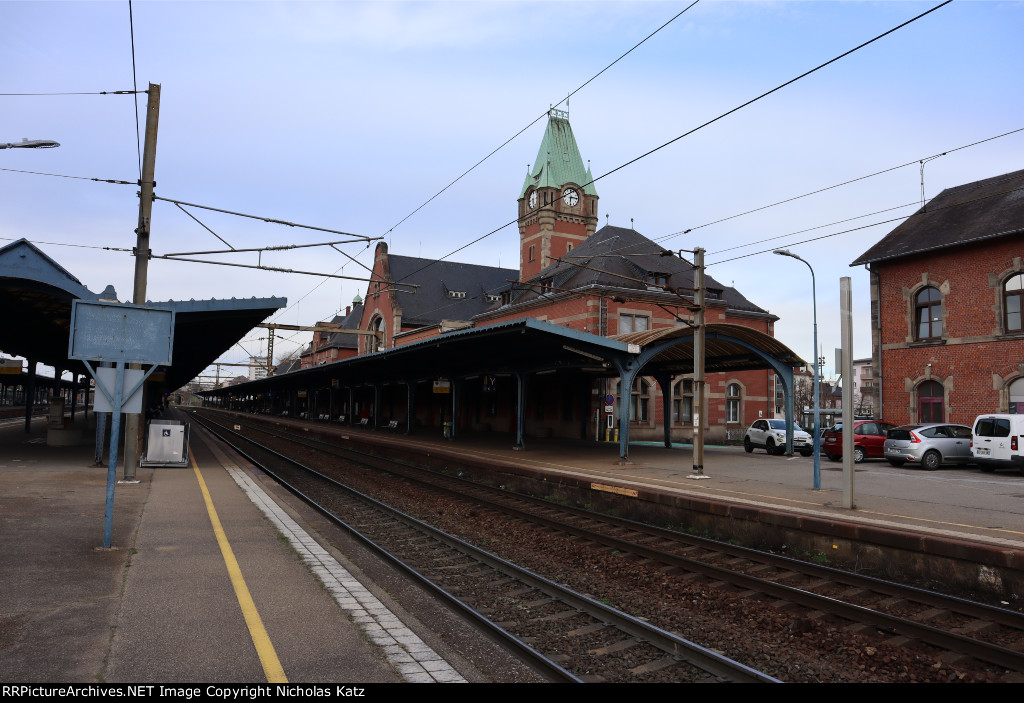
(558, 203)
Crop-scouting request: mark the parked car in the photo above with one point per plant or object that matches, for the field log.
(868, 440)
(998, 442)
(770, 435)
(929, 445)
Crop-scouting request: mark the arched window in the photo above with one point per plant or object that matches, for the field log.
(1013, 303)
(376, 342)
(930, 405)
(733, 395)
(682, 402)
(928, 314)
(1017, 396)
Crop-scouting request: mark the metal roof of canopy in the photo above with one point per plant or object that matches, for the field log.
(728, 348)
(36, 294)
(528, 345)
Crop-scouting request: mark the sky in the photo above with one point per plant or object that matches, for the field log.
(349, 116)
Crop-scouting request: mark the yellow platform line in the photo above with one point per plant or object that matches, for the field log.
(260, 639)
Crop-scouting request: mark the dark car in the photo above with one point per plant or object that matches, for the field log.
(868, 440)
(929, 446)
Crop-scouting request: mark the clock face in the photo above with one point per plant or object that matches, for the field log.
(570, 197)
(533, 200)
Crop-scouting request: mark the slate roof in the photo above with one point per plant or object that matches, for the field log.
(346, 340)
(617, 257)
(425, 298)
(993, 207)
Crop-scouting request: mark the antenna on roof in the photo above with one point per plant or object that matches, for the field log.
(631, 226)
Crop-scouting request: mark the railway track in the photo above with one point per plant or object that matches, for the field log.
(891, 612)
(565, 635)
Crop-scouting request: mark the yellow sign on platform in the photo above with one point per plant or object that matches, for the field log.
(615, 489)
(10, 366)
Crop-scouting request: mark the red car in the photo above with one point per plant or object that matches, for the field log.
(868, 440)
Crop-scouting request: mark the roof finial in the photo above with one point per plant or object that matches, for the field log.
(606, 216)
(631, 226)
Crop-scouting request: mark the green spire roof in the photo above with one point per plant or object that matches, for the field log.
(558, 160)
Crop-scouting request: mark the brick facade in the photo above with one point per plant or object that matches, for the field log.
(975, 359)
(947, 303)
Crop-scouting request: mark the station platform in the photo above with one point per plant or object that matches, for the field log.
(164, 603)
(213, 575)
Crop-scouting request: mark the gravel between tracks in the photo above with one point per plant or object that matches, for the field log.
(789, 644)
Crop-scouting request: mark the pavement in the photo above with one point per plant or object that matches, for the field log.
(208, 579)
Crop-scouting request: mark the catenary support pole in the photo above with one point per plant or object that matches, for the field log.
(846, 322)
(135, 424)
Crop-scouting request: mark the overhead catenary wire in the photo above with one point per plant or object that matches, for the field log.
(873, 224)
(524, 129)
(271, 220)
(540, 117)
(82, 178)
(95, 92)
(710, 122)
(135, 87)
(837, 185)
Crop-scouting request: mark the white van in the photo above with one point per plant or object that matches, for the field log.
(997, 442)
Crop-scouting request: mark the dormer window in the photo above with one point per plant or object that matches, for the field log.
(657, 279)
(456, 294)
(493, 297)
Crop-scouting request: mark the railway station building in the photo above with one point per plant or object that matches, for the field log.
(610, 283)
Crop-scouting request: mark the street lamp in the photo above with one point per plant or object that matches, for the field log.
(814, 356)
(30, 144)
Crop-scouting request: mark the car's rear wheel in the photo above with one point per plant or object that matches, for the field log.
(858, 455)
(833, 457)
(896, 462)
(806, 452)
(987, 468)
(931, 461)
(747, 446)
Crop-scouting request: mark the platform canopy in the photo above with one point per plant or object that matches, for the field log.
(531, 346)
(36, 294)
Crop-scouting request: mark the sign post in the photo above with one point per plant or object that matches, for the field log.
(119, 334)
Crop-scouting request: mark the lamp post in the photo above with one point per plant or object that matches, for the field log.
(814, 356)
(30, 144)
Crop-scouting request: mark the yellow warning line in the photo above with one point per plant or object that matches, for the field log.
(268, 657)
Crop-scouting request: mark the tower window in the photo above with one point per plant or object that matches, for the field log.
(532, 252)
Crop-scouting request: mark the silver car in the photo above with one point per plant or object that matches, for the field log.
(929, 445)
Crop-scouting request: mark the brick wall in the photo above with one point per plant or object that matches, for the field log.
(975, 359)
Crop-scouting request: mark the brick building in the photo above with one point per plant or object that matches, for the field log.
(947, 299)
(610, 281)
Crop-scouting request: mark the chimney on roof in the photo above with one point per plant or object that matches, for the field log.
(348, 310)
